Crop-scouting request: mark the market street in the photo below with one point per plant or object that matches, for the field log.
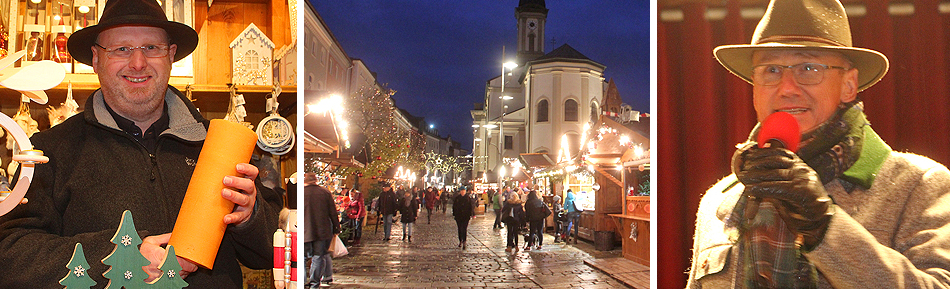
(432, 260)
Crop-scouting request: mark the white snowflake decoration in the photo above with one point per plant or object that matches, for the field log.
(79, 271)
(126, 240)
(171, 273)
(128, 275)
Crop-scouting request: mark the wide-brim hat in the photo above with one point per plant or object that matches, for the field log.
(137, 13)
(804, 24)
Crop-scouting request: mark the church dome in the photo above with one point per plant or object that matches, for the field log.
(531, 6)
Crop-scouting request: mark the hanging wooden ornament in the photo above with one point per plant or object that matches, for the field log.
(275, 133)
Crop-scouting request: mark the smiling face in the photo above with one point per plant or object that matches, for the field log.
(812, 104)
(133, 87)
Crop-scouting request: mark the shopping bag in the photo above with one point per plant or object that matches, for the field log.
(337, 249)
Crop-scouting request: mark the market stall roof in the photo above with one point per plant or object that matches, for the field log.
(537, 160)
(631, 159)
(608, 149)
(322, 137)
(320, 132)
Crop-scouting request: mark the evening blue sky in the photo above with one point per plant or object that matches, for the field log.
(438, 55)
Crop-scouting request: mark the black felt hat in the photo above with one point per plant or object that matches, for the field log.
(132, 12)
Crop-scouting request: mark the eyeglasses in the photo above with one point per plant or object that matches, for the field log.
(123, 52)
(805, 73)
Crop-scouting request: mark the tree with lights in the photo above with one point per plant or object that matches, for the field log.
(372, 112)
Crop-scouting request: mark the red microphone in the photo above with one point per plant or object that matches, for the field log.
(780, 129)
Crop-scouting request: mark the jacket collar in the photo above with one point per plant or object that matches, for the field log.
(184, 121)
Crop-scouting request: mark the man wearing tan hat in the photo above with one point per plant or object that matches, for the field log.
(134, 147)
(845, 211)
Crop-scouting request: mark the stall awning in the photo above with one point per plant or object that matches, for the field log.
(320, 133)
(630, 159)
(537, 160)
(322, 137)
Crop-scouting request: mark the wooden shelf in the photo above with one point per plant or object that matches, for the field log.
(211, 99)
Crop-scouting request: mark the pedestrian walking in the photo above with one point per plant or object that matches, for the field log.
(387, 208)
(557, 211)
(496, 202)
(355, 213)
(443, 199)
(535, 211)
(463, 210)
(321, 223)
(573, 214)
(409, 208)
(431, 199)
(513, 216)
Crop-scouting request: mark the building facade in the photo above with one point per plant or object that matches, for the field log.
(540, 106)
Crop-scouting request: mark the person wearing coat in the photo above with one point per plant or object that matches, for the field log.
(844, 210)
(535, 210)
(431, 200)
(134, 147)
(496, 200)
(513, 215)
(321, 223)
(463, 210)
(409, 209)
(573, 214)
(387, 209)
(355, 211)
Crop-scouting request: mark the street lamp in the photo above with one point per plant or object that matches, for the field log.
(504, 107)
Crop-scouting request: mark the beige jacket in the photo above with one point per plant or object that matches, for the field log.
(894, 235)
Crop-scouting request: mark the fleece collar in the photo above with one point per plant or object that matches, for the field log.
(182, 122)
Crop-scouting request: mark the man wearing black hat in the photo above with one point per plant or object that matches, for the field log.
(133, 148)
(844, 211)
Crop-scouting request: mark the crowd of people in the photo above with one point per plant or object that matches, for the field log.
(522, 212)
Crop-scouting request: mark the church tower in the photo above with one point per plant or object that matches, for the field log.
(531, 15)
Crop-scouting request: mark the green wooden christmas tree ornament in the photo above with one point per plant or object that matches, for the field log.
(77, 277)
(125, 262)
(170, 279)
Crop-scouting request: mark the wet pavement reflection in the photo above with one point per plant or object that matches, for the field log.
(433, 260)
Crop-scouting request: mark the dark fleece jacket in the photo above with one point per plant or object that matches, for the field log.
(97, 171)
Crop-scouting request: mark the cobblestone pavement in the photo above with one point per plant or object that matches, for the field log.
(433, 260)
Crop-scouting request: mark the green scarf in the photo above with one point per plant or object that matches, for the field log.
(771, 256)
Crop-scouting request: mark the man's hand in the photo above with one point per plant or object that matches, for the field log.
(242, 192)
(153, 250)
(795, 190)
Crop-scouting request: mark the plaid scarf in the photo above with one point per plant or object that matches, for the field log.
(769, 249)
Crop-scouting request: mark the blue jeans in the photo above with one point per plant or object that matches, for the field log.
(358, 228)
(406, 230)
(388, 225)
(572, 222)
(321, 264)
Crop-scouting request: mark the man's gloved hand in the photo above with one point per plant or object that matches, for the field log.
(779, 176)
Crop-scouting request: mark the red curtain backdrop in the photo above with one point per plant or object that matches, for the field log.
(703, 110)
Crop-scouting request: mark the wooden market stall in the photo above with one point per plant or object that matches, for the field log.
(610, 143)
(633, 223)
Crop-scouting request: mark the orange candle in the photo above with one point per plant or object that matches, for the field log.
(200, 225)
